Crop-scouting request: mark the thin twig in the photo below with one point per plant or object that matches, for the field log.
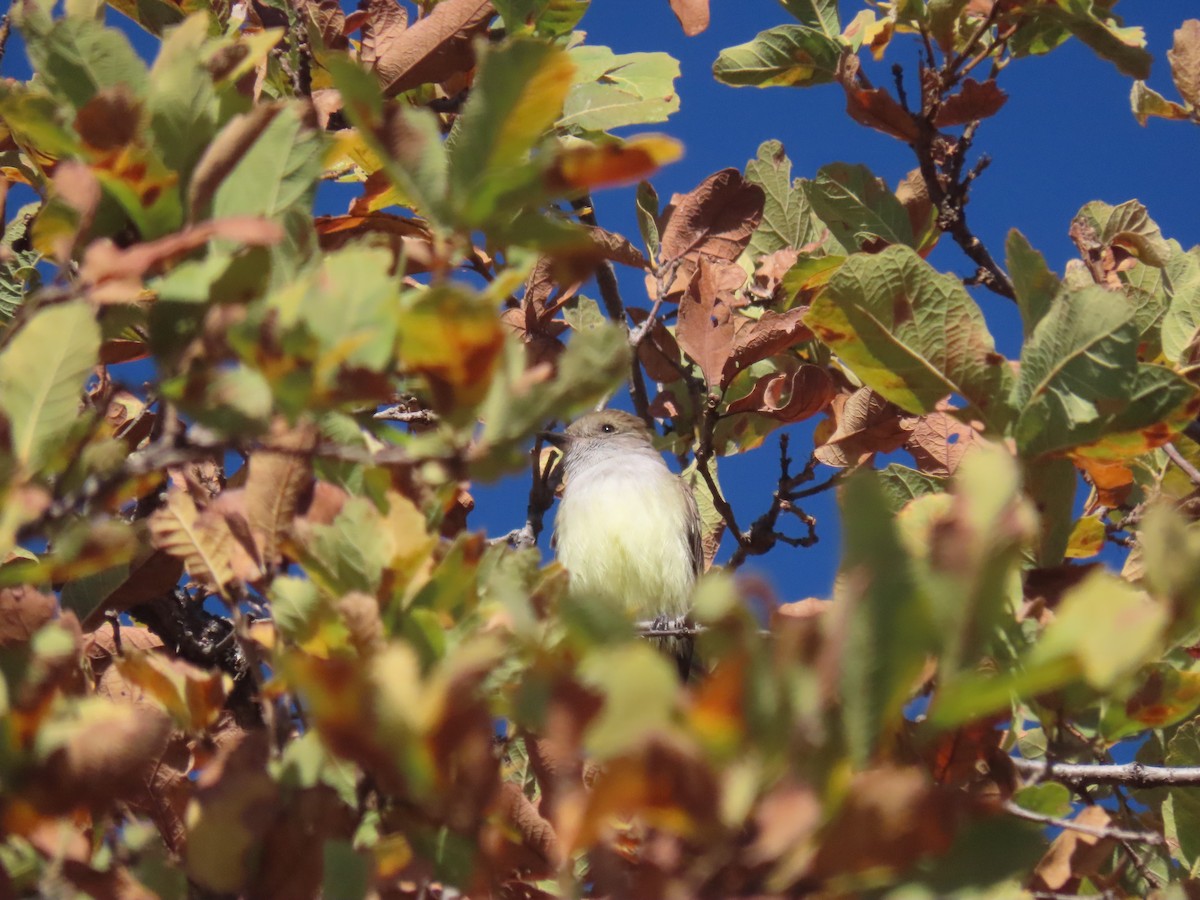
(1186, 467)
(1116, 834)
(401, 413)
(1134, 775)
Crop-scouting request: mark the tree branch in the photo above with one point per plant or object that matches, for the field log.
(1116, 834)
(1134, 775)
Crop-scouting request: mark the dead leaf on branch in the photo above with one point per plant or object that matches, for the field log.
(692, 15)
(433, 49)
(875, 107)
(716, 218)
(383, 30)
(1074, 855)
(705, 331)
(974, 100)
(860, 424)
(275, 483)
(114, 275)
(757, 339)
(788, 396)
(23, 610)
(202, 540)
(938, 441)
(408, 239)
(1184, 57)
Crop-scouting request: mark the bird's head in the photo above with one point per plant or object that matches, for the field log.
(603, 429)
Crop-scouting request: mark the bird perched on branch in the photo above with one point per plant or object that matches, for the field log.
(628, 528)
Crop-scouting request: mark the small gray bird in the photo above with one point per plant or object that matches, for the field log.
(627, 529)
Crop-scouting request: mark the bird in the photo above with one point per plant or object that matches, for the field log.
(628, 529)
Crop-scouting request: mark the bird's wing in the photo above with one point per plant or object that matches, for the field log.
(694, 536)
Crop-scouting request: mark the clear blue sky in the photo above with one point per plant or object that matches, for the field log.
(1065, 137)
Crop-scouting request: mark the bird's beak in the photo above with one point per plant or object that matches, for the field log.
(554, 438)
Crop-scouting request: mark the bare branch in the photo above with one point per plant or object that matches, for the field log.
(1134, 775)
(1116, 834)
(1186, 467)
(402, 413)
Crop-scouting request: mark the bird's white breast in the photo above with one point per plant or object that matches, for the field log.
(622, 534)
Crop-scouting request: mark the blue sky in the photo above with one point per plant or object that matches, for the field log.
(1065, 137)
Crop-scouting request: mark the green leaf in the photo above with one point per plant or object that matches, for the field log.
(788, 219)
(901, 485)
(1146, 102)
(1182, 318)
(647, 217)
(595, 362)
(612, 90)
(887, 631)
(858, 208)
(517, 96)
(77, 57)
(1047, 798)
(639, 687)
(819, 14)
(1035, 285)
(1080, 379)
(1184, 750)
(1107, 627)
(18, 272)
(912, 334)
(1128, 226)
(43, 371)
(349, 305)
(181, 100)
(1092, 23)
(278, 172)
(788, 55)
(552, 18)
(414, 156)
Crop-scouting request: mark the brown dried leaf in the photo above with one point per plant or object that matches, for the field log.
(76, 185)
(705, 328)
(382, 30)
(786, 819)
(407, 239)
(536, 834)
(360, 613)
(938, 441)
(768, 274)
(860, 424)
(877, 109)
(275, 484)
(890, 818)
(23, 611)
(330, 20)
(692, 15)
(913, 193)
(193, 696)
(658, 351)
(167, 792)
(615, 247)
(105, 756)
(152, 573)
(110, 120)
(716, 218)
(1073, 855)
(100, 646)
(114, 275)
(757, 339)
(975, 100)
(1184, 57)
(203, 542)
(789, 396)
(433, 49)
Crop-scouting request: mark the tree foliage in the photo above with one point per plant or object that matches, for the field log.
(251, 644)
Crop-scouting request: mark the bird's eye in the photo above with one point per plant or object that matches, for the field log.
(608, 428)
